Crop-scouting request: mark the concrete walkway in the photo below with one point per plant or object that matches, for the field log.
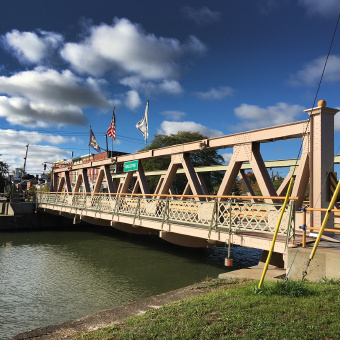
(255, 273)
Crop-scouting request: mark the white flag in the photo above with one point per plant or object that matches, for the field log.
(142, 125)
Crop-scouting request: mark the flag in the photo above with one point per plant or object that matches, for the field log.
(93, 142)
(142, 125)
(111, 132)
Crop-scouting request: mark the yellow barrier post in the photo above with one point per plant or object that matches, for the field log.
(323, 226)
(276, 231)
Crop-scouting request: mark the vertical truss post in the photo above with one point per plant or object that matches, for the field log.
(214, 217)
(137, 211)
(165, 215)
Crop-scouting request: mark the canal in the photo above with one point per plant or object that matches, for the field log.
(51, 276)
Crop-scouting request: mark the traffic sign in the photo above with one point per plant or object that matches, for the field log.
(131, 166)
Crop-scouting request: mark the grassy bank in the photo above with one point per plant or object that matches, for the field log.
(292, 311)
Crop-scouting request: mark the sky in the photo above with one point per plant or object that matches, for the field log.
(216, 67)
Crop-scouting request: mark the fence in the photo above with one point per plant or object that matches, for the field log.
(228, 216)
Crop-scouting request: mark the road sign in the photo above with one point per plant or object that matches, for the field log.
(131, 166)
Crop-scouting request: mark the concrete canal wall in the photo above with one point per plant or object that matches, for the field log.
(22, 216)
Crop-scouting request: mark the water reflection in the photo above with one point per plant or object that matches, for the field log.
(48, 277)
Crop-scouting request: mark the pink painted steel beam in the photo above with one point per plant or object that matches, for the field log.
(286, 131)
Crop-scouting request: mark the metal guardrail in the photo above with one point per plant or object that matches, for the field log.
(214, 215)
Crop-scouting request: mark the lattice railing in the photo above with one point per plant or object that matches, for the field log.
(224, 216)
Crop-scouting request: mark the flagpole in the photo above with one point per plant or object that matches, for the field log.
(113, 115)
(107, 148)
(89, 142)
(147, 123)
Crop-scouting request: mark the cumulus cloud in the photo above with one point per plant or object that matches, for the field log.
(152, 87)
(12, 149)
(312, 71)
(201, 16)
(12, 137)
(48, 85)
(173, 115)
(254, 117)
(30, 47)
(20, 111)
(168, 128)
(132, 100)
(42, 96)
(227, 156)
(125, 47)
(216, 94)
(324, 7)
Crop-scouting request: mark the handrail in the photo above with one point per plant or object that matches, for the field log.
(245, 216)
(304, 226)
(330, 230)
(280, 198)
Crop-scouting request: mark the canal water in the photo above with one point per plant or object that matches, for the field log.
(51, 276)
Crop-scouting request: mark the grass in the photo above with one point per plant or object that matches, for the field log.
(296, 310)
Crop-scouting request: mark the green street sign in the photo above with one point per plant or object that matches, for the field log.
(131, 166)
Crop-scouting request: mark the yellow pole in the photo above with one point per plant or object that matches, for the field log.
(325, 220)
(276, 231)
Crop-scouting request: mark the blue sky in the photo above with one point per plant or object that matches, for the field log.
(217, 67)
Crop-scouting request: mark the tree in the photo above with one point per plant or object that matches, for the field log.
(202, 158)
(3, 171)
(253, 183)
(28, 176)
(45, 188)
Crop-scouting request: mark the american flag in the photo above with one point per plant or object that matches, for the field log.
(111, 132)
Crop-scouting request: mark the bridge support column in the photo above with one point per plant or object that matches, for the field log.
(321, 159)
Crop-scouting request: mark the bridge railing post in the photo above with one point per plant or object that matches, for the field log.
(165, 214)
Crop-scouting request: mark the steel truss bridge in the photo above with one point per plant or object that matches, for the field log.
(200, 219)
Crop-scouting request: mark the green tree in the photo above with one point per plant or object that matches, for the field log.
(45, 188)
(3, 171)
(253, 183)
(32, 190)
(28, 176)
(202, 158)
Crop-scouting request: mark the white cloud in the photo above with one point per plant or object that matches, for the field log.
(31, 47)
(216, 94)
(171, 86)
(152, 87)
(20, 111)
(48, 85)
(132, 100)
(173, 115)
(125, 47)
(227, 156)
(255, 117)
(13, 148)
(312, 71)
(168, 128)
(337, 121)
(323, 7)
(41, 96)
(201, 16)
(12, 137)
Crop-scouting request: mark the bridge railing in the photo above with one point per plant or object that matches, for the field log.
(231, 215)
